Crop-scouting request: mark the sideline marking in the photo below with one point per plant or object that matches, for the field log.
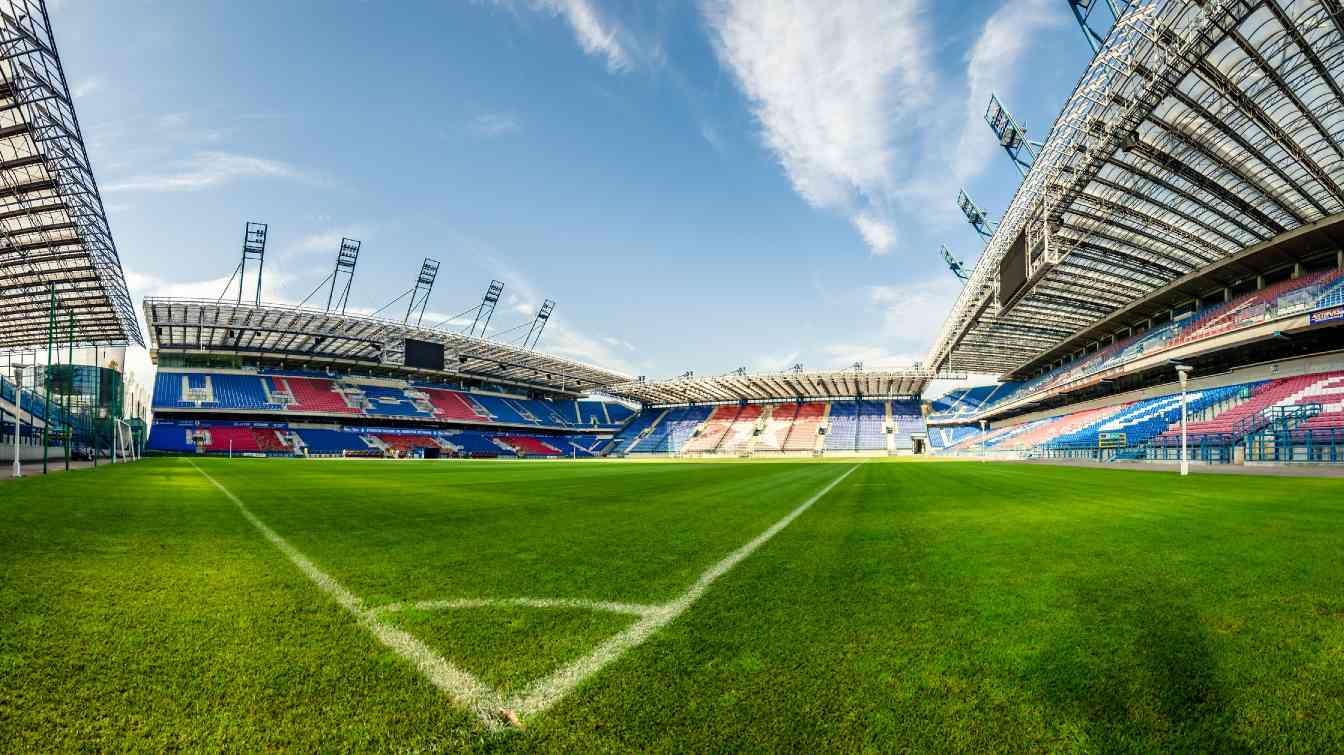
(487, 703)
(461, 686)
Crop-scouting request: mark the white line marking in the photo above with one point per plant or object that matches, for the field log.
(475, 695)
(551, 690)
(462, 687)
(635, 609)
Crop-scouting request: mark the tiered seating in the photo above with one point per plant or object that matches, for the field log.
(777, 427)
(742, 430)
(390, 402)
(316, 395)
(331, 441)
(198, 390)
(1054, 427)
(591, 413)
(1263, 396)
(406, 444)
(241, 392)
(907, 419)
(456, 405)
(526, 445)
(947, 437)
(619, 413)
(1284, 297)
(711, 435)
(623, 439)
(1331, 296)
(872, 435)
(168, 391)
(803, 432)
(669, 436)
(474, 444)
(269, 442)
(225, 438)
(1144, 420)
(842, 433)
(502, 410)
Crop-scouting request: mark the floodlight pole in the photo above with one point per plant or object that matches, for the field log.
(1183, 373)
(46, 389)
(982, 441)
(18, 404)
(69, 365)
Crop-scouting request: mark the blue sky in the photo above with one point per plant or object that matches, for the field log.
(699, 185)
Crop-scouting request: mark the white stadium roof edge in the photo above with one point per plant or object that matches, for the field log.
(1200, 129)
(792, 385)
(54, 237)
(315, 336)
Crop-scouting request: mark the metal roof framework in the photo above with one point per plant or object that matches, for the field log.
(54, 236)
(1201, 128)
(309, 335)
(777, 386)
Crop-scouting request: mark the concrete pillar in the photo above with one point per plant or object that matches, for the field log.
(1297, 270)
(1227, 295)
(1259, 282)
(1339, 258)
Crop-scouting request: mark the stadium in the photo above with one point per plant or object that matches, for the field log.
(325, 525)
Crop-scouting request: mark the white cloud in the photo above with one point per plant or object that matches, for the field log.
(86, 87)
(774, 362)
(204, 170)
(491, 125)
(329, 240)
(831, 84)
(877, 233)
(903, 321)
(598, 35)
(992, 66)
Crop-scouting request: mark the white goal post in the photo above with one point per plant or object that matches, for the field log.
(123, 442)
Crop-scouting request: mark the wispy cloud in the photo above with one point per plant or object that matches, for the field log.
(205, 170)
(491, 125)
(992, 66)
(86, 87)
(831, 83)
(903, 320)
(596, 34)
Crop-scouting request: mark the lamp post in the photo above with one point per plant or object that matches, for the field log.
(1183, 373)
(982, 440)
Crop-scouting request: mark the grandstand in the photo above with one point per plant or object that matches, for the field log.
(1185, 208)
(60, 273)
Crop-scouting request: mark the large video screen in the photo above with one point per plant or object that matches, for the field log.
(1013, 270)
(424, 355)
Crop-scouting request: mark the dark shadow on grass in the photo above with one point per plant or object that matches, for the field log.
(1133, 670)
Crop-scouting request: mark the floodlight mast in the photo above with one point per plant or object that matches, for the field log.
(254, 249)
(424, 284)
(977, 217)
(487, 308)
(1094, 33)
(539, 324)
(1012, 136)
(346, 258)
(957, 266)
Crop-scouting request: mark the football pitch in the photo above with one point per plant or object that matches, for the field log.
(619, 606)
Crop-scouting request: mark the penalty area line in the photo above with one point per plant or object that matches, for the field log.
(463, 688)
(554, 688)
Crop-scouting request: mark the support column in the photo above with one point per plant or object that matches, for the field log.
(46, 400)
(69, 365)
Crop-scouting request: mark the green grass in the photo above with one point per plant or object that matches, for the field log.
(951, 606)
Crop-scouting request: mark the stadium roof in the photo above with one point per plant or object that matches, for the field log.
(1200, 129)
(314, 336)
(54, 235)
(776, 386)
